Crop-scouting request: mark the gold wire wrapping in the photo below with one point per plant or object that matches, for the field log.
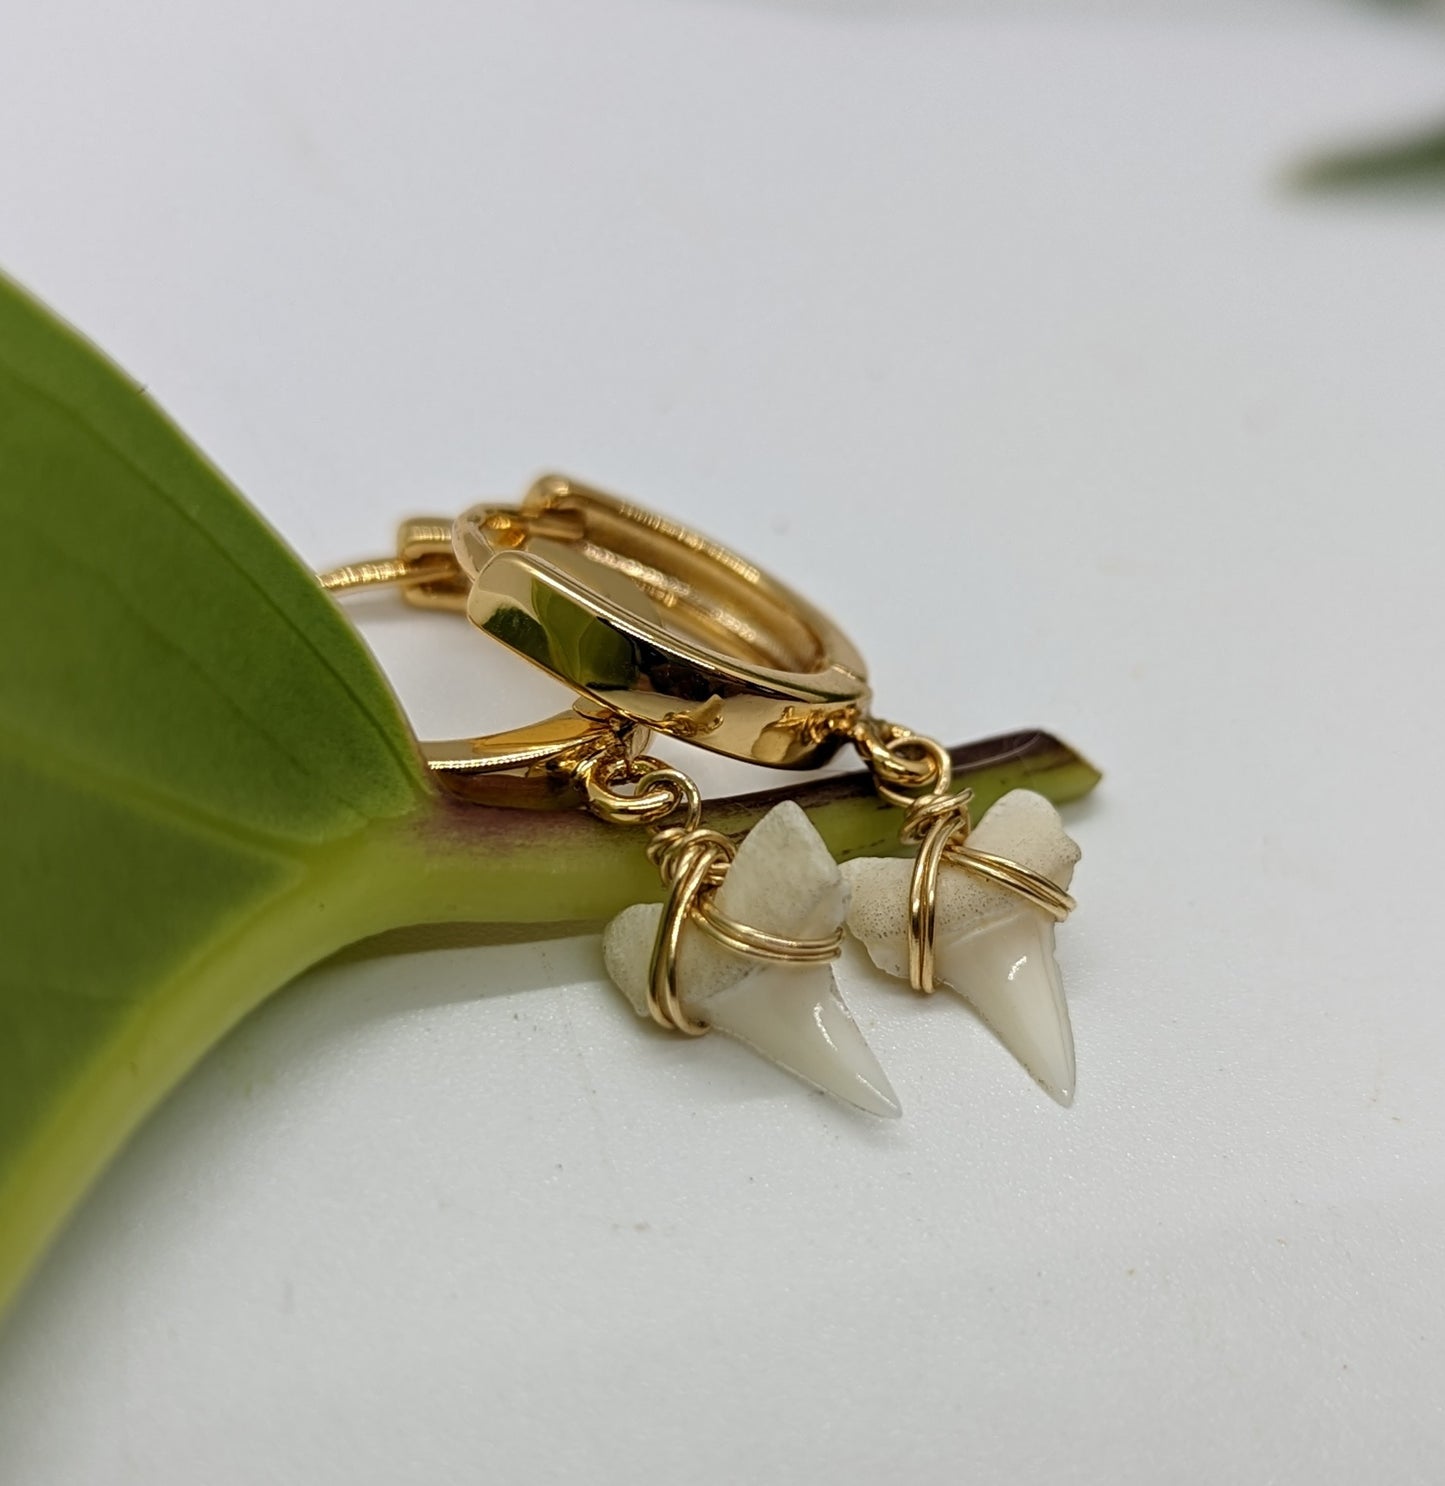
(938, 823)
(692, 861)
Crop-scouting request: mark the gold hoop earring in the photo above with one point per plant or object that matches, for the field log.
(661, 631)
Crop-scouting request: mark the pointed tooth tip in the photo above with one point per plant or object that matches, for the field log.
(1052, 1070)
(1008, 974)
(1060, 1081)
(797, 1020)
(1032, 1054)
(1057, 1084)
(873, 1096)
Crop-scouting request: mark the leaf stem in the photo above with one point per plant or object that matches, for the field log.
(479, 864)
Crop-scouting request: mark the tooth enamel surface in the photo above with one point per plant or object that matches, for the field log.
(990, 945)
(783, 881)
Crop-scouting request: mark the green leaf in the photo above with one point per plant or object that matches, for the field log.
(1415, 162)
(206, 784)
(188, 735)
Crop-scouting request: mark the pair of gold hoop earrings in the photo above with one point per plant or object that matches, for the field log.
(661, 631)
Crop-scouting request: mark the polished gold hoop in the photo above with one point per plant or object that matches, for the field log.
(659, 623)
(654, 626)
(657, 628)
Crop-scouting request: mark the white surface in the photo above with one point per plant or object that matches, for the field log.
(942, 315)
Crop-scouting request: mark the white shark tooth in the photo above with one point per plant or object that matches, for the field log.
(782, 881)
(990, 945)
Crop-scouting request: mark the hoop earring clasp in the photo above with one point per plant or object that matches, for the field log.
(656, 627)
(654, 621)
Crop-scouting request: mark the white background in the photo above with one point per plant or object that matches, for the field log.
(994, 330)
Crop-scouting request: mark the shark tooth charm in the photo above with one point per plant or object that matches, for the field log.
(991, 945)
(786, 887)
(985, 926)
